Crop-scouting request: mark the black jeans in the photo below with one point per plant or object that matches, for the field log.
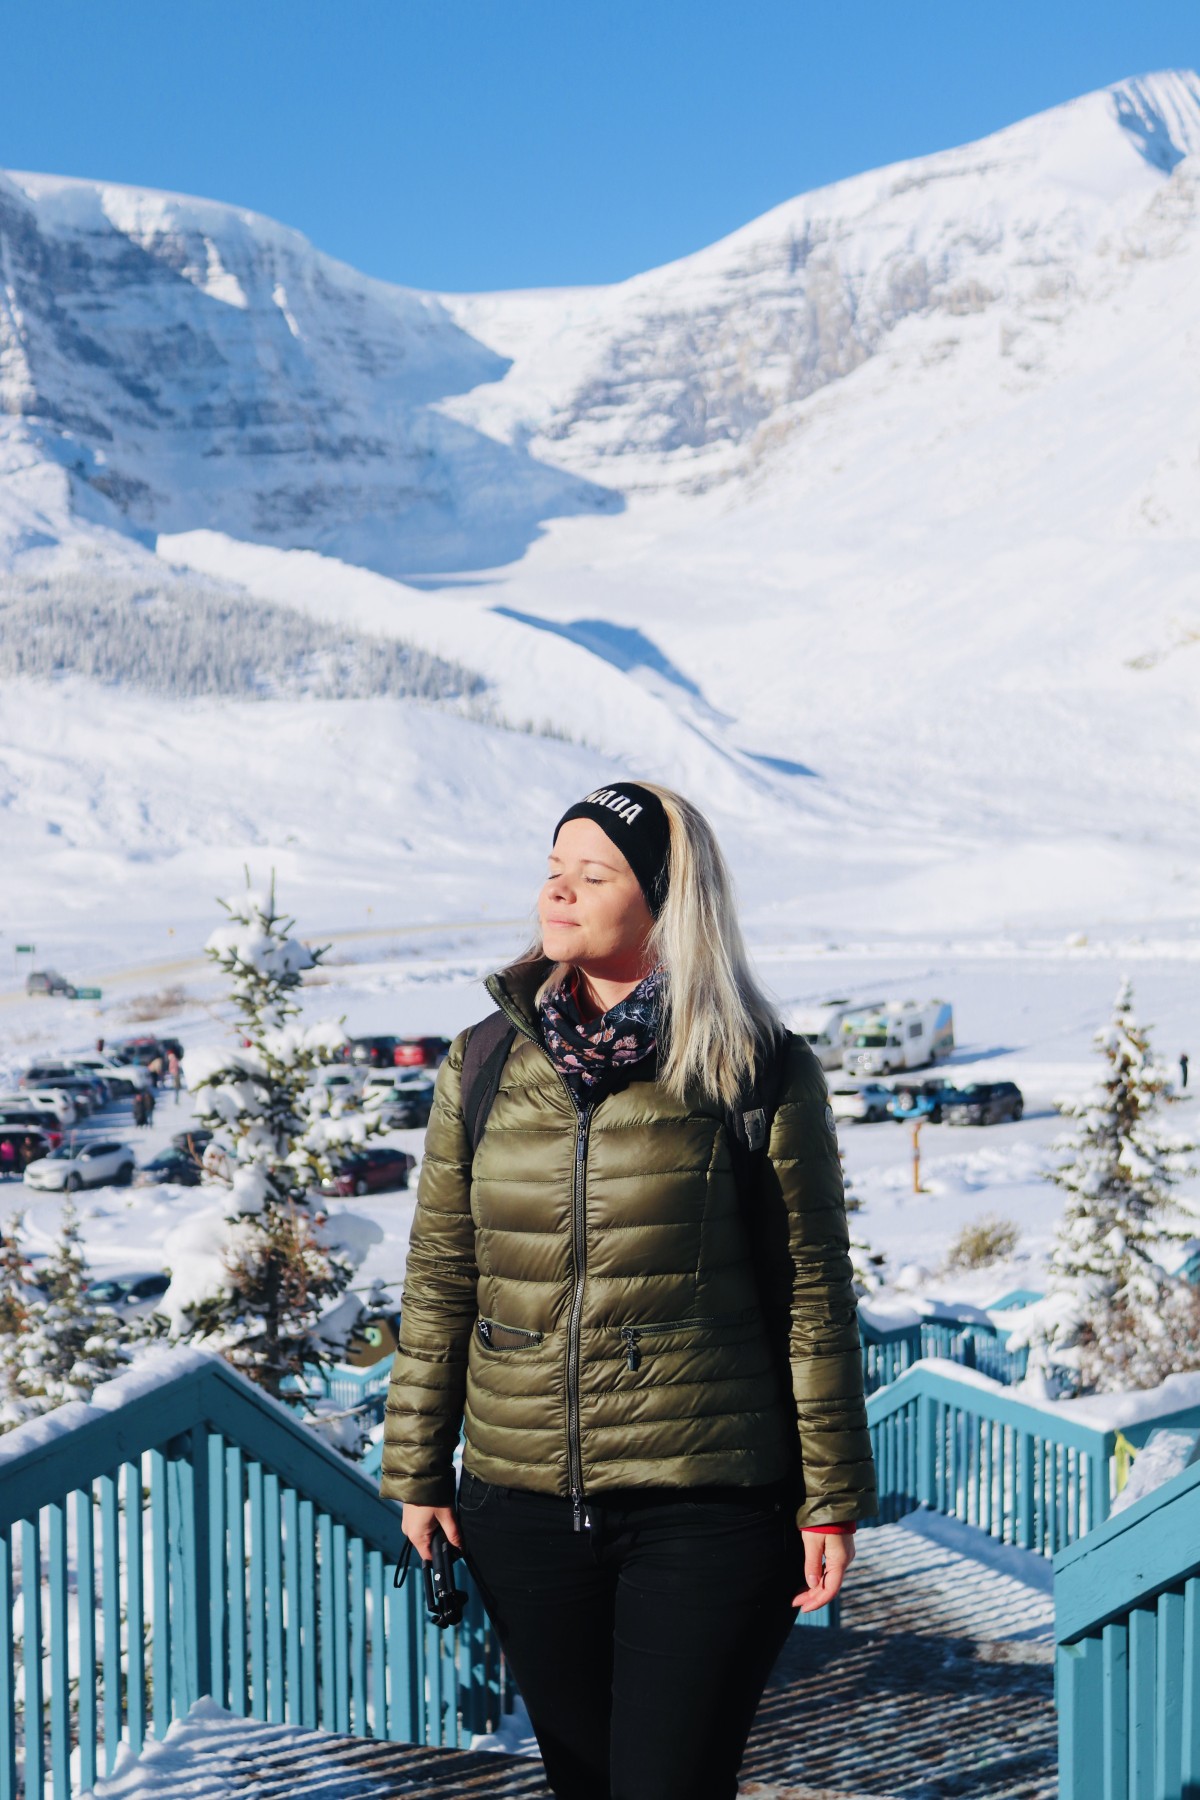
(641, 1644)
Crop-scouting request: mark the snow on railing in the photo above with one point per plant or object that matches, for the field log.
(1028, 1471)
(185, 1535)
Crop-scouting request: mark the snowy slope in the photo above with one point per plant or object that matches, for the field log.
(873, 526)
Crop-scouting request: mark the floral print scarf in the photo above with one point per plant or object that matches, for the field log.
(585, 1054)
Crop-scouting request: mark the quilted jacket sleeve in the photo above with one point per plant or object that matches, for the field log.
(810, 1271)
(428, 1382)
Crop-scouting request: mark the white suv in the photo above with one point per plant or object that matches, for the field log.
(84, 1165)
(863, 1100)
(52, 1101)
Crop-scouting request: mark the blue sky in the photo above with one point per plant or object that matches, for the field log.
(507, 143)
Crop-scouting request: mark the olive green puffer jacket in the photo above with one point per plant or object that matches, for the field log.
(609, 1312)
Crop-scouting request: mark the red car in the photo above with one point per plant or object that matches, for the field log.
(421, 1052)
(374, 1171)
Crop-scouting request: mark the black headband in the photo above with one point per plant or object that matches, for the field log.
(634, 819)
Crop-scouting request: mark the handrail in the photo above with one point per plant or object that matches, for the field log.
(957, 1441)
(1036, 1473)
(973, 1342)
(1127, 1673)
(190, 1536)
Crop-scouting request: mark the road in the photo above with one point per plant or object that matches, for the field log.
(179, 967)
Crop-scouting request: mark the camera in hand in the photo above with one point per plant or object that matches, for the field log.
(444, 1600)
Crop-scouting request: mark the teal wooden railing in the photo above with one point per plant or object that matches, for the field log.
(1127, 1621)
(1037, 1476)
(194, 1538)
(889, 1350)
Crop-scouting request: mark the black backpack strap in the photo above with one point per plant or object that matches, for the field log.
(486, 1053)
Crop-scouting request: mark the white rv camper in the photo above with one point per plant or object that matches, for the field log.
(902, 1034)
(827, 1027)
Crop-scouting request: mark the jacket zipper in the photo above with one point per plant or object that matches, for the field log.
(583, 1119)
(491, 1329)
(631, 1334)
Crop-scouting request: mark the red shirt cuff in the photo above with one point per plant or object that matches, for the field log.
(832, 1530)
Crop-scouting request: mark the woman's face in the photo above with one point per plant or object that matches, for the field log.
(592, 910)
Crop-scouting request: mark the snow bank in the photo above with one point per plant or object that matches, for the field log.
(152, 1369)
(1105, 1412)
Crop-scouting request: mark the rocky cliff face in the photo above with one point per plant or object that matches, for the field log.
(179, 363)
(688, 374)
(168, 364)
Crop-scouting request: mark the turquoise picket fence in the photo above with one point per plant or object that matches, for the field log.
(965, 1446)
(889, 1351)
(1127, 1621)
(960, 1443)
(193, 1539)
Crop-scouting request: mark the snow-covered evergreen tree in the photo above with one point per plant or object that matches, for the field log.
(261, 1277)
(64, 1344)
(17, 1294)
(1113, 1313)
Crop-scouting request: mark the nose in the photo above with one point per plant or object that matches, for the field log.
(559, 888)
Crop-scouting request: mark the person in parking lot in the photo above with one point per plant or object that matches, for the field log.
(649, 1327)
(174, 1073)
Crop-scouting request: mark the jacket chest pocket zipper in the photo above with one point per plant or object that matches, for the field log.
(506, 1337)
(632, 1334)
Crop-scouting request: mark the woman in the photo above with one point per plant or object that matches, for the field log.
(651, 1330)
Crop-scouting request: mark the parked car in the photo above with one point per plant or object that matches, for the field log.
(343, 1081)
(58, 1106)
(49, 981)
(196, 1139)
(74, 1166)
(21, 1145)
(36, 1118)
(174, 1165)
(864, 1100)
(404, 1097)
(81, 1088)
(924, 1099)
(135, 1293)
(121, 1078)
(376, 1170)
(378, 1052)
(421, 1052)
(145, 1048)
(983, 1103)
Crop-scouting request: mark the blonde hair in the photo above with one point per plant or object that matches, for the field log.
(716, 1017)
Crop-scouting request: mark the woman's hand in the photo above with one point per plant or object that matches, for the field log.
(418, 1522)
(827, 1556)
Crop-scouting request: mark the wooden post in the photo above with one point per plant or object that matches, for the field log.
(916, 1155)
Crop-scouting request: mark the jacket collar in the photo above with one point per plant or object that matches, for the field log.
(513, 990)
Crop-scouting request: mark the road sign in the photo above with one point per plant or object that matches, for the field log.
(87, 993)
(24, 949)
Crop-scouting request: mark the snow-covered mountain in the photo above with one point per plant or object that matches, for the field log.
(875, 526)
(169, 364)
(697, 371)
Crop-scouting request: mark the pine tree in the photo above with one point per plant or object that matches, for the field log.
(65, 1343)
(1112, 1312)
(17, 1293)
(285, 1262)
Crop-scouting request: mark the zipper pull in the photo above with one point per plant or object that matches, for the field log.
(633, 1355)
(576, 1510)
